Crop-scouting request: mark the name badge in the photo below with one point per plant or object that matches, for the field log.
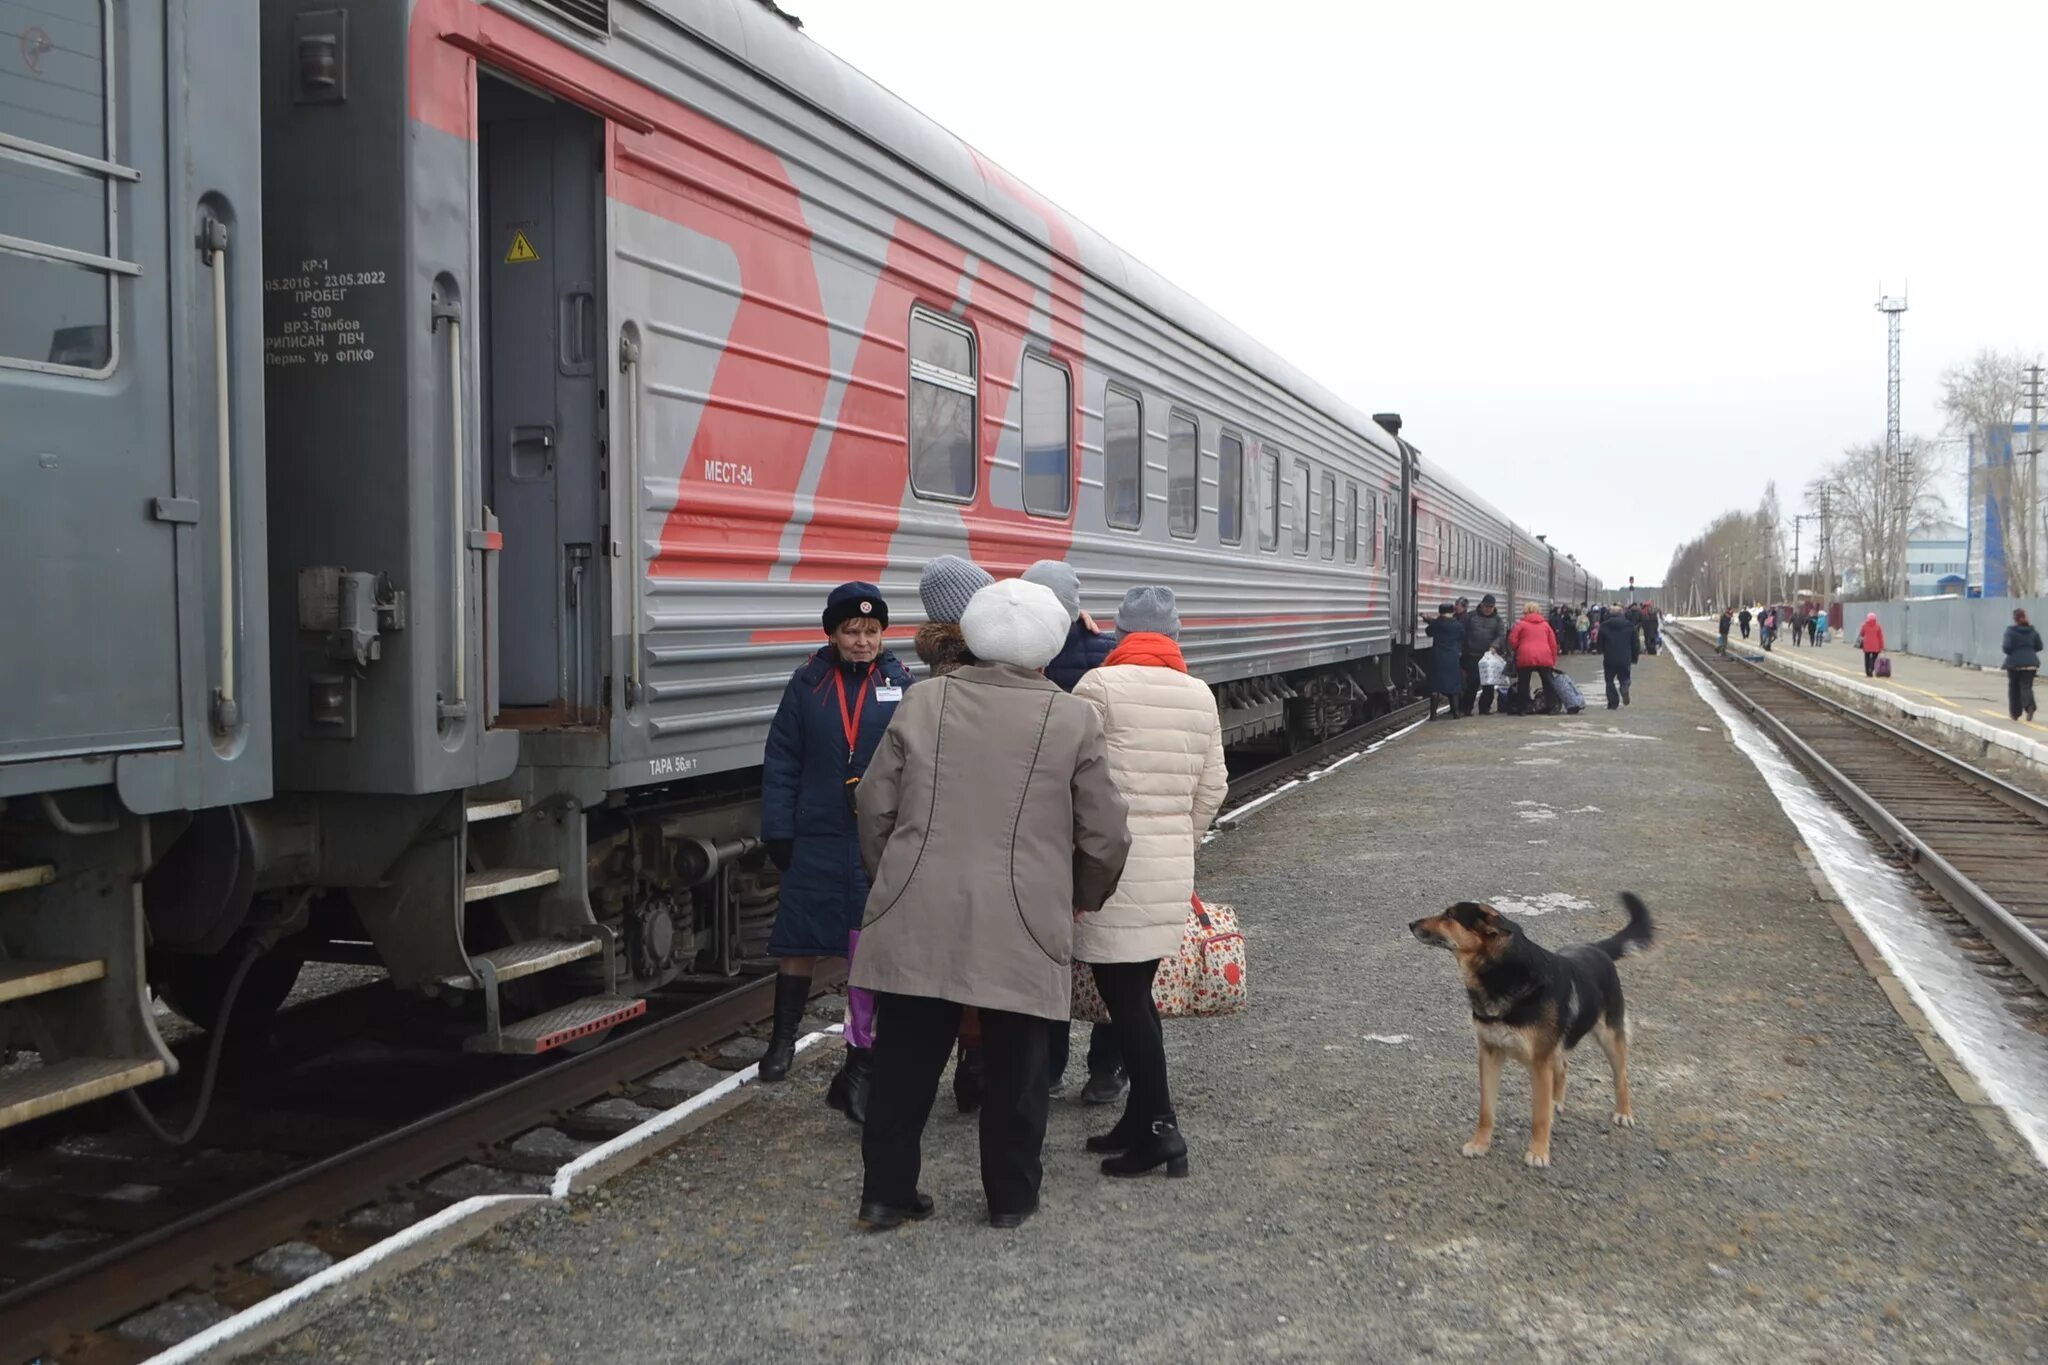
(887, 692)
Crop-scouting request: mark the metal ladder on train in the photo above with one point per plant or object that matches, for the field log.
(523, 865)
(33, 985)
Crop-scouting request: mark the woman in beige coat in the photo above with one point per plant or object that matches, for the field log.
(988, 820)
(1166, 755)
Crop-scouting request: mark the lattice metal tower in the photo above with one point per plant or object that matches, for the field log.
(1893, 481)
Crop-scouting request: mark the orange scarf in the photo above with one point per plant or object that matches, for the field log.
(1147, 647)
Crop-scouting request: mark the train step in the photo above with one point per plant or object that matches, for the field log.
(524, 959)
(492, 808)
(22, 878)
(503, 881)
(31, 1092)
(22, 977)
(583, 1018)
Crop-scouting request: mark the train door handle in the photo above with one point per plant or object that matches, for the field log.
(533, 452)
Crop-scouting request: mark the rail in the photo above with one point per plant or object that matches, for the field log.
(1281, 769)
(1950, 845)
(36, 1317)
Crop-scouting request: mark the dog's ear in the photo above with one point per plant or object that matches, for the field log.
(1481, 919)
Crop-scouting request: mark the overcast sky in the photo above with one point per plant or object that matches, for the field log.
(1616, 264)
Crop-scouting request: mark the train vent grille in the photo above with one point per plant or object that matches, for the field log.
(595, 15)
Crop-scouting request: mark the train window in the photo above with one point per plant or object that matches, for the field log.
(1183, 481)
(1350, 523)
(1329, 515)
(57, 178)
(1269, 530)
(1301, 507)
(1123, 460)
(1230, 489)
(1048, 438)
(942, 404)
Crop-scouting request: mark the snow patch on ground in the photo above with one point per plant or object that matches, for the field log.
(1538, 762)
(1963, 1007)
(1544, 903)
(1390, 1039)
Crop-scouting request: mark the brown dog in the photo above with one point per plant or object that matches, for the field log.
(1535, 1005)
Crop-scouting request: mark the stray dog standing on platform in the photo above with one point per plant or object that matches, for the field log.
(1535, 1005)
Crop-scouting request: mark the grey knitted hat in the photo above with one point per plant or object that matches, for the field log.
(949, 582)
(1151, 609)
(1058, 575)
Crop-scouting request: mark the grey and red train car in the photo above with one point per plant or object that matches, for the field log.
(430, 428)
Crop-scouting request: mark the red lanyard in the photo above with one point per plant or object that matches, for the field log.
(850, 720)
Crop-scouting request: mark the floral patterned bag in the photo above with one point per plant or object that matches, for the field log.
(1207, 977)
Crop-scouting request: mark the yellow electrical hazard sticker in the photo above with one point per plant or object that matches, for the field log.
(521, 250)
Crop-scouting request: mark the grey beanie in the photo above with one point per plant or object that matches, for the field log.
(1151, 609)
(1058, 575)
(949, 582)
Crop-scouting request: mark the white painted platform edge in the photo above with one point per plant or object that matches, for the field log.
(1842, 853)
(284, 1313)
(2033, 750)
(1237, 813)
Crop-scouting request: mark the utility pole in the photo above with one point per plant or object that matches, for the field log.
(1893, 505)
(1827, 549)
(2032, 391)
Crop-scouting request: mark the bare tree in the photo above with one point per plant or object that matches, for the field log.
(1983, 399)
(1873, 509)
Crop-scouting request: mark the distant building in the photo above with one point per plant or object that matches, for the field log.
(1937, 559)
(1984, 569)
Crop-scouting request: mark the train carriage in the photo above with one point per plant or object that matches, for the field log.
(597, 341)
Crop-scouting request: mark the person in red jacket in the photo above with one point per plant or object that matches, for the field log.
(1534, 646)
(1870, 640)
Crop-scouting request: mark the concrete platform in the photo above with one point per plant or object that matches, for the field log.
(1978, 693)
(1804, 1185)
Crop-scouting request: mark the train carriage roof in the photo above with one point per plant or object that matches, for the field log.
(762, 37)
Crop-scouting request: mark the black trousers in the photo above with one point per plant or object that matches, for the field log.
(1617, 678)
(1473, 690)
(2019, 691)
(914, 1036)
(1549, 687)
(1869, 663)
(1126, 988)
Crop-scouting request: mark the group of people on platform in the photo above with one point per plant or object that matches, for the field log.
(1035, 803)
(1474, 650)
(1807, 623)
(2020, 646)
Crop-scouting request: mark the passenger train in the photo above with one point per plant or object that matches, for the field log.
(430, 427)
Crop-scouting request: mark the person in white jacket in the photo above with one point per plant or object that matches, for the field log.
(1166, 758)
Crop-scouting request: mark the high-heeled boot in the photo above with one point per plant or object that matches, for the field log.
(1160, 1145)
(792, 993)
(848, 1092)
(967, 1080)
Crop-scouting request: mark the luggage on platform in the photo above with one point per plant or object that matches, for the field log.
(1568, 693)
(1884, 666)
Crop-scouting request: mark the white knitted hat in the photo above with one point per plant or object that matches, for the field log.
(1014, 622)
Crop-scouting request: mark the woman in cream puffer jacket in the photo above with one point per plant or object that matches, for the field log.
(1166, 757)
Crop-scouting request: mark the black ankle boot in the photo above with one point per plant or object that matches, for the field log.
(1161, 1145)
(967, 1080)
(1129, 1129)
(848, 1092)
(792, 993)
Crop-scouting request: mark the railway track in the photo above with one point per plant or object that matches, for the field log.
(61, 1314)
(1260, 781)
(1979, 842)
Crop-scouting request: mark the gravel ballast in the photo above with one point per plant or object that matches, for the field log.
(1802, 1186)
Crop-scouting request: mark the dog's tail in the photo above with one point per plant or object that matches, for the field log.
(1635, 935)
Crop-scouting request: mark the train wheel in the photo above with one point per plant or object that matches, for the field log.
(195, 986)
